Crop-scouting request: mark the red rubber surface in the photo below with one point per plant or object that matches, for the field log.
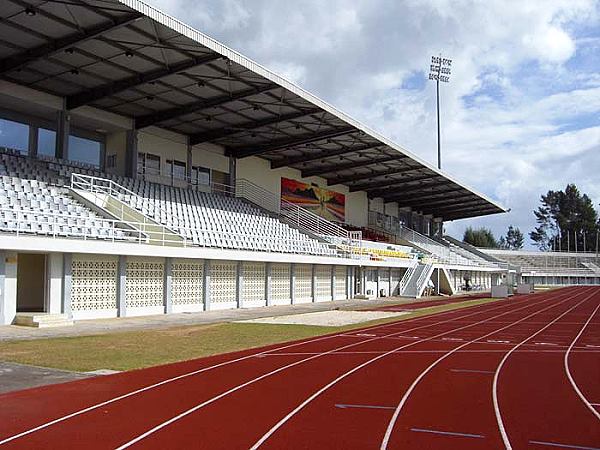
(429, 303)
(454, 356)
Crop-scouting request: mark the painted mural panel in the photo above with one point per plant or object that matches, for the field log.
(328, 204)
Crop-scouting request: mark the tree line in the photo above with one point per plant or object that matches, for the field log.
(566, 221)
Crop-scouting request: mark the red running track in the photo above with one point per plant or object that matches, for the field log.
(485, 377)
(429, 303)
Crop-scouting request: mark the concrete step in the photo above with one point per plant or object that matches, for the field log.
(42, 320)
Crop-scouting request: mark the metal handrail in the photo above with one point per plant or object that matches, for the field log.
(406, 277)
(132, 232)
(423, 277)
(294, 214)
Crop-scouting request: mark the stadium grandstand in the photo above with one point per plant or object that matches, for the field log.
(149, 169)
(551, 268)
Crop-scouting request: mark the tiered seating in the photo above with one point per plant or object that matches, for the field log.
(32, 201)
(216, 220)
(549, 262)
(210, 220)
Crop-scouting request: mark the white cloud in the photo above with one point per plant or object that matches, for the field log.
(521, 114)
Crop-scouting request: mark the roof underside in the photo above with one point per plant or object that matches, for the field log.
(110, 56)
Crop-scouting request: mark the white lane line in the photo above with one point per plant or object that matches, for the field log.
(471, 371)
(345, 406)
(592, 346)
(365, 335)
(392, 422)
(421, 319)
(499, 420)
(568, 369)
(447, 433)
(280, 369)
(497, 341)
(452, 339)
(545, 343)
(556, 444)
(279, 424)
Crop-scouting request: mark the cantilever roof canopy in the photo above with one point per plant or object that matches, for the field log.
(128, 58)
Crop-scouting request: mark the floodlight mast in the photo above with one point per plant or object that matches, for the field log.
(439, 70)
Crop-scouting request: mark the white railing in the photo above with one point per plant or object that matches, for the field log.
(406, 277)
(58, 225)
(437, 249)
(423, 278)
(301, 218)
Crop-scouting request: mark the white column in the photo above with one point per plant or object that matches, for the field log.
(54, 275)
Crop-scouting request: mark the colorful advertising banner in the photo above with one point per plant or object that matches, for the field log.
(328, 204)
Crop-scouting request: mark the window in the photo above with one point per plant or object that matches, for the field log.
(111, 161)
(46, 142)
(148, 164)
(14, 135)
(200, 175)
(84, 150)
(176, 169)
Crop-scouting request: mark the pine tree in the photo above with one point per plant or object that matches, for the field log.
(566, 221)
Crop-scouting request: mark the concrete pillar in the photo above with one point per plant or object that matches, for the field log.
(349, 282)
(268, 267)
(63, 128)
(332, 282)
(67, 263)
(293, 283)
(9, 286)
(239, 296)
(55, 282)
(232, 171)
(2, 286)
(390, 292)
(167, 285)
(189, 162)
(206, 292)
(121, 287)
(33, 141)
(313, 283)
(131, 154)
(378, 277)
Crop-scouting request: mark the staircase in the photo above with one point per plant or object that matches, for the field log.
(108, 196)
(42, 320)
(416, 280)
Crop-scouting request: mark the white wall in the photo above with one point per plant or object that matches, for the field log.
(391, 209)
(55, 281)
(259, 171)
(10, 288)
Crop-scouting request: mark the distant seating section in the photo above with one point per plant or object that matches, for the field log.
(35, 190)
(551, 262)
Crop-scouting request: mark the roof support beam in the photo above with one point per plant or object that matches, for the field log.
(290, 142)
(172, 113)
(407, 195)
(336, 167)
(380, 187)
(364, 176)
(473, 205)
(470, 212)
(440, 201)
(209, 136)
(286, 162)
(86, 97)
(58, 45)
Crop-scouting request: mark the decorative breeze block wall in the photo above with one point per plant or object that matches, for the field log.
(322, 283)
(144, 282)
(187, 281)
(93, 282)
(280, 284)
(303, 283)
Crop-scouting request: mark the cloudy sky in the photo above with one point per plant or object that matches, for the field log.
(520, 116)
